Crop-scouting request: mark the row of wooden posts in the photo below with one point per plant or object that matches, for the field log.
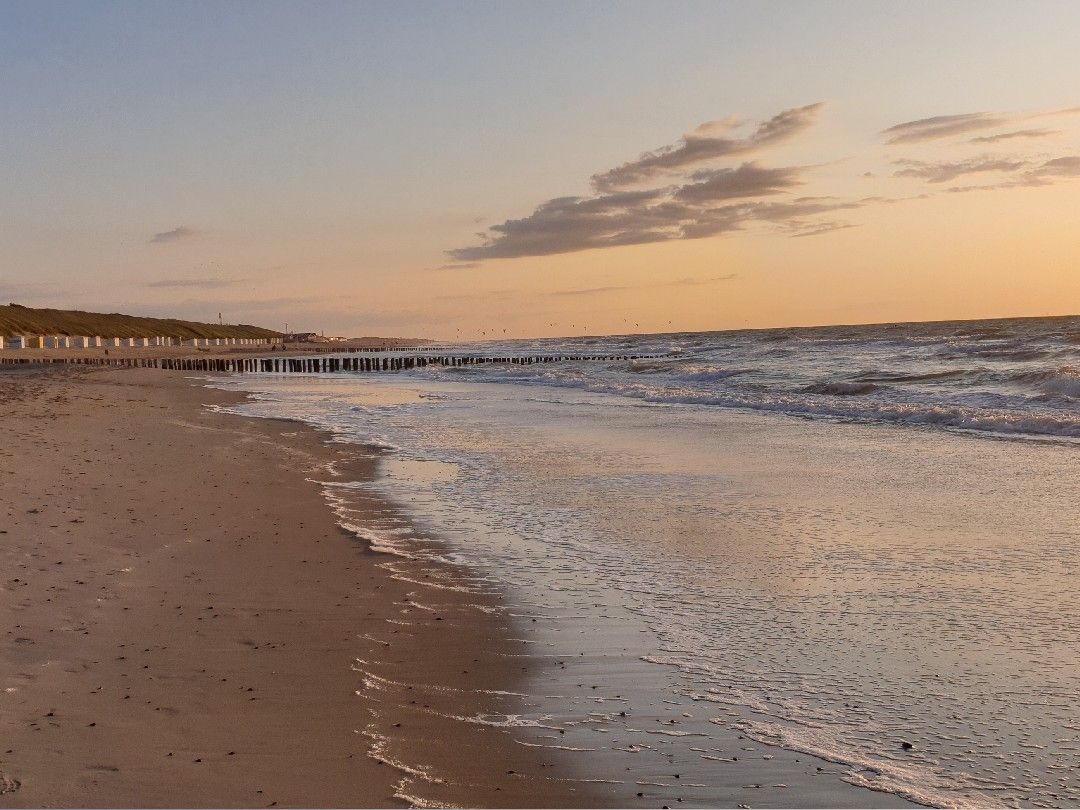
(308, 365)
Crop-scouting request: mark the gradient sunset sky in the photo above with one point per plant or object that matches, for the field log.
(455, 170)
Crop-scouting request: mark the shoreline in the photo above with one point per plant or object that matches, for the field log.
(586, 653)
(189, 624)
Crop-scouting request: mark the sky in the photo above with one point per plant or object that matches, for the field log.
(471, 170)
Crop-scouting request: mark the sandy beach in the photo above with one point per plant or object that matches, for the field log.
(187, 625)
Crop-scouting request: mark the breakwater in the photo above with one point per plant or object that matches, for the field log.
(313, 364)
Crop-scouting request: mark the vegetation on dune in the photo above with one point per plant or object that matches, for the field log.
(20, 320)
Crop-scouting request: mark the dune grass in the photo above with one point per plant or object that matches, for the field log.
(20, 320)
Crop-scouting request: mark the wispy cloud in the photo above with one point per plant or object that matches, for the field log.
(948, 171)
(458, 266)
(590, 291)
(702, 201)
(1068, 166)
(1044, 174)
(1017, 134)
(748, 180)
(570, 224)
(947, 126)
(707, 142)
(1050, 171)
(943, 126)
(689, 281)
(175, 235)
(825, 227)
(195, 283)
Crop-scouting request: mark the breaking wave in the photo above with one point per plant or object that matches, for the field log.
(1019, 378)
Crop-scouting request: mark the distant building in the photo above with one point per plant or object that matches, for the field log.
(300, 337)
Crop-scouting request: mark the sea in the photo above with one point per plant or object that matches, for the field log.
(847, 553)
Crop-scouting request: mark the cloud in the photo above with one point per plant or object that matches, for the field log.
(1044, 174)
(591, 291)
(800, 217)
(458, 266)
(824, 227)
(199, 283)
(175, 235)
(697, 282)
(708, 201)
(943, 126)
(704, 144)
(945, 172)
(1050, 171)
(568, 224)
(1068, 166)
(571, 224)
(1019, 133)
(748, 180)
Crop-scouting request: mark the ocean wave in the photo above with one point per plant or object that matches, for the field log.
(919, 377)
(853, 405)
(1016, 353)
(648, 366)
(1067, 388)
(1016, 377)
(843, 389)
(1063, 382)
(708, 375)
(923, 783)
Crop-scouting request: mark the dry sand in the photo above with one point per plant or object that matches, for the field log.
(186, 625)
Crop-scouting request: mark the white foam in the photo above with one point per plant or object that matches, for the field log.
(919, 782)
(378, 751)
(556, 747)
(501, 720)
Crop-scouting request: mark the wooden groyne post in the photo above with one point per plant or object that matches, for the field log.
(317, 364)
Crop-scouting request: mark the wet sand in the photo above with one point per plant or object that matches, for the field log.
(185, 624)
